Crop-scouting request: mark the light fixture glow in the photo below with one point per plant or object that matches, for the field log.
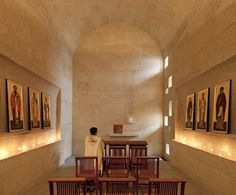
(29, 142)
(3, 153)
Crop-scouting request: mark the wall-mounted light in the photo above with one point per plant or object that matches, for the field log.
(6, 152)
(3, 154)
(224, 151)
(130, 120)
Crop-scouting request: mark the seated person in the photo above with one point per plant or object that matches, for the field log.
(94, 147)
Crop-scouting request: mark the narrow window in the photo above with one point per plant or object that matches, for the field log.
(170, 82)
(167, 149)
(166, 63)
(170, 108)
(166, 121)
(166, 91)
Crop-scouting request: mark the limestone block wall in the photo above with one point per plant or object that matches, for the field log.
(203, 56)
(37, 46)
(32, 44)
(215, 174)
(117, 74)
(19, 173)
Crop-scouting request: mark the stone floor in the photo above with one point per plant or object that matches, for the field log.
(68, 170)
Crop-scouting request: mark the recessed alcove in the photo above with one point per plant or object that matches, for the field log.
(220, 73)
(216, 144)
(214, 154)
(21, 141)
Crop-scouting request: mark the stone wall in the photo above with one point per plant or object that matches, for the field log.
(214, 174)
(202, 57)
(118, 74)
(36, 46)
(19, 173)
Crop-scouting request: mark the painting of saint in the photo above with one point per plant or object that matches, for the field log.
(34, 108)
(202, 110)
(46, 110)
(15, 106)
(189, 119)
(221, 107)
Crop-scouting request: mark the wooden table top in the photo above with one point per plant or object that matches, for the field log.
(112, 142)
(105, 179)
(167, 180)
(67, 179)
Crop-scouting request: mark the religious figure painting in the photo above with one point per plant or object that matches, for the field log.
(46, 110)
(202, 110)
(221, 107)
(189, 118)
(15, 106)
(34, 109)
(117, 129)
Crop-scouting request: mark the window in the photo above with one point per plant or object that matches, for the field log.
(166, 121)
(170, 108)
(166, 62)
(167, 149)
(170, 82)
(167, 91)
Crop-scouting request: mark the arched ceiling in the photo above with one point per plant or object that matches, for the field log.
(164, 20)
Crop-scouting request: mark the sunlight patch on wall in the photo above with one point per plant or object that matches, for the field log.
(154, 67)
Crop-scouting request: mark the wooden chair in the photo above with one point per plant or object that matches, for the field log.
(117, 185)
(166, 186)
(118, 166)
(134, 152)
(87, 167)
(148, 167)
(117, 150)
(67, 186)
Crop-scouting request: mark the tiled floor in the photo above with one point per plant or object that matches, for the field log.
(68, 170)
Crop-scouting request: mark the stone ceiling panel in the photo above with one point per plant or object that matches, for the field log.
(162, 19)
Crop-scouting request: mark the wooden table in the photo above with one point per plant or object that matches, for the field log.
(118, 143)
(126, 143)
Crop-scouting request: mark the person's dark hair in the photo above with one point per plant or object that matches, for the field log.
(93, 130)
